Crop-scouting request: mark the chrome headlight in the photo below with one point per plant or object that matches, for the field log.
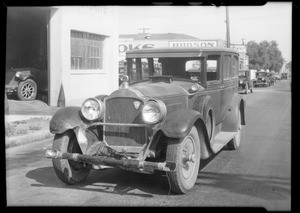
(154, 111)
(92, 109)
(18, 74)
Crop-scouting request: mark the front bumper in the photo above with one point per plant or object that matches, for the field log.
(129, 164)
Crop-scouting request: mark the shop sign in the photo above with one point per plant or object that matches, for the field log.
(125, 47)
(193, 44)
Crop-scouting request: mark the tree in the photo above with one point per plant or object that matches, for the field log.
(264, 55)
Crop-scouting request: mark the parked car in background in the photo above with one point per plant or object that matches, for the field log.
(25, 83)
(262, 79)
(245, 82)
(277, 77)
(284, 75)
(175, 107)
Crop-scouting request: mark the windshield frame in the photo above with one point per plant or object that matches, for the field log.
(152, 66)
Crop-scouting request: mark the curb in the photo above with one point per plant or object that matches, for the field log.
(26, 139)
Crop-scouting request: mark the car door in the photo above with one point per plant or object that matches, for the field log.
(227, 85)
(214, 83)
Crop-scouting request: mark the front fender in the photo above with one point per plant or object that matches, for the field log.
(66, 118)
(179, 123)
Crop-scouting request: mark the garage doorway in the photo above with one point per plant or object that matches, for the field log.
(26, 44)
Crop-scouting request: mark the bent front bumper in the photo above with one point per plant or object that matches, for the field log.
(129, 164)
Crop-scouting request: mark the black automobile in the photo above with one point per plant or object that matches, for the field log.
(245, 82)
(174, 108)
(25, 83)
(262, 79)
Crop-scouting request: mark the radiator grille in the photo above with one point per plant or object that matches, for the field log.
(123, 110)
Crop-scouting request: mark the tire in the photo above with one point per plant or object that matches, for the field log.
(234, 143)
(246, 89)
(251, 90)
(68, 171)
(27, 90)
(186, 173)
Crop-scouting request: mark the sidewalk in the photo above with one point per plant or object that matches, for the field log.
(27, 122)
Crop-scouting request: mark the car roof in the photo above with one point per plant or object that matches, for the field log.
(176, 52)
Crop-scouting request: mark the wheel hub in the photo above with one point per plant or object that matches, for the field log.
(188, 158)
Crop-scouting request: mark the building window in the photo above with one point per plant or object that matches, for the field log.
(86, 51)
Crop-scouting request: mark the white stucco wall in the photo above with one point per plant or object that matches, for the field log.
(81, 84)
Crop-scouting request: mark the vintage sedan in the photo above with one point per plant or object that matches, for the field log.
(245, 82)
(262, 79)
(25, 82)
(165, 119)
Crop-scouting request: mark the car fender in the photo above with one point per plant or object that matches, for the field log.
(230, 123)
(179, 123)
(66, 118)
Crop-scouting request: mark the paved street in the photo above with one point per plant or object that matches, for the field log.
(258, 174)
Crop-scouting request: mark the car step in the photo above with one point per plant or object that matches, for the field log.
(221, 139)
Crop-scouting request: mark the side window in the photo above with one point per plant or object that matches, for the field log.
(234, 66)
(226, 67)
(193, 69)
(213, 67)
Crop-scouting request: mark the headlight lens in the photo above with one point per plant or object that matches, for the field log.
(18, 74)
(92, 109)
(154, 111)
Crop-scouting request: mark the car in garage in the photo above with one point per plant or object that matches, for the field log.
(159, 120)
(25, 83)
(262, 79)
(245, 82)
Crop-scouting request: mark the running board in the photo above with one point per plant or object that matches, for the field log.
(221, 139)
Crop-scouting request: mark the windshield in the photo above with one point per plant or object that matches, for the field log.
(139, 69)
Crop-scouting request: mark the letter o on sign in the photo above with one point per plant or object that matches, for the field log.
(122, 48)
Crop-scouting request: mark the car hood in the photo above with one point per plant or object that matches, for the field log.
(161, 89)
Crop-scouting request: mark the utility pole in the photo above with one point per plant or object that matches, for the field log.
(227, 28)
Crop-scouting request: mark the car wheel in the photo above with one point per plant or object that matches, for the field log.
(246, 89)
(251, 90)
(27, 90)
(234, 143)
(68, 171)
(186, 153)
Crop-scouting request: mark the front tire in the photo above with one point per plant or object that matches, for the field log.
(27, 90)
(68, 171)
(179, 150)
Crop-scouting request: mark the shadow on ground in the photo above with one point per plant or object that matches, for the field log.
(111, 180)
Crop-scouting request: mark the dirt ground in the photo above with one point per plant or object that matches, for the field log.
(18, 128)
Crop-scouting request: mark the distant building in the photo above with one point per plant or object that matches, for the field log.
(76, 48)
(146, 40)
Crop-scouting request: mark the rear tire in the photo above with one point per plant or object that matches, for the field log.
(68, 171)
(27, 90)
(234, 143)
(186, 173)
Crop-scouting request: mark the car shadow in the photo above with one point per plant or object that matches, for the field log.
(111, 180)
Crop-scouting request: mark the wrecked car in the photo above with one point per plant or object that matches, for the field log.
(174, 108)
(25, 83)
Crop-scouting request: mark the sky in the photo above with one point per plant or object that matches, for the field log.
(272, 21)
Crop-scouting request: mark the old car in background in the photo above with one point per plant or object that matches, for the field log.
(25, 83)
(284, 75)
(262, 79)
(277, 77)
(272, 78)
(245, 82)
(175, 107)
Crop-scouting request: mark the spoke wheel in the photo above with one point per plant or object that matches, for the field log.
(27, 90)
